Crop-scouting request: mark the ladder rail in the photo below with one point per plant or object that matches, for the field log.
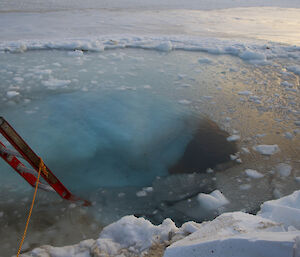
(21, 169)
(33, 159)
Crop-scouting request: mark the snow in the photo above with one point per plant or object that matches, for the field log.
(166, 43)
(135, 233)
(253, 173)
(212, 201)
(80, 250)
(266, 149)
(94, 30)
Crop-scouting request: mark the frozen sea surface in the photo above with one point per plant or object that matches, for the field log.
(30, 5)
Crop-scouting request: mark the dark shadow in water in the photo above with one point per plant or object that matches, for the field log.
(208, 148)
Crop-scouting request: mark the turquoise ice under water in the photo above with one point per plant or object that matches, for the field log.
(110, 124)
(103, 138)
(111, 119)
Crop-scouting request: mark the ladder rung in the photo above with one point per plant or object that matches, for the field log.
(10, 152)
(32, 171)
(25, 169)
(45, 187)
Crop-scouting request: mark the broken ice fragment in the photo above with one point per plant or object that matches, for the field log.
(212, 201)
(266, 149)
(253, 173)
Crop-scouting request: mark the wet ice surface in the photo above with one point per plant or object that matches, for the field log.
(111, 124)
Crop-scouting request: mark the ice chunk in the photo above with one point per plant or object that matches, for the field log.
(253, 173)
(266, 149)
(76, 53)
(233, 138)
(184, 101)
(246, 93)
(209, 170)
(267, 244)
(245, 187)
(43, 72)
(250, 55)
(235, 234)
(288, 135)
(239, 160)
(79, 250)
(212, 201)
(141, 193)
(245, 150)
(260, 135)
(233, 157)
(205, 61)
(285, 210)
(294, 69)
(286, 84)
(19, 80)
(283, 169)
(165, 46)
(56, 83)
(11, 94)
(148, 189)
(137, 234)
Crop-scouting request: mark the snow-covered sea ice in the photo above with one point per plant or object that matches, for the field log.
(154, 111)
